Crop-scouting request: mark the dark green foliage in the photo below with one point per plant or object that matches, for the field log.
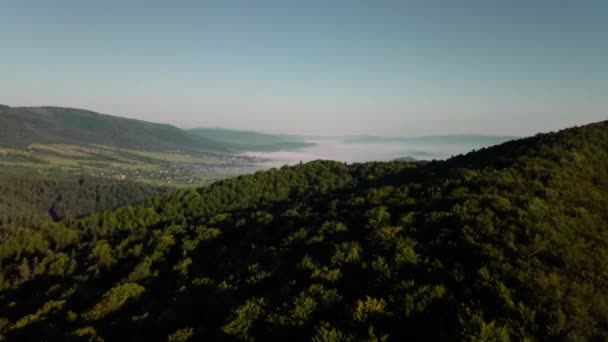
(507, 243)
(29, 198)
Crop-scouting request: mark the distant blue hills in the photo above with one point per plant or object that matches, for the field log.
(473, 139)
(253, 141)
(22, 126)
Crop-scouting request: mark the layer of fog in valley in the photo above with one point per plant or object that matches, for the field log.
(345, 150)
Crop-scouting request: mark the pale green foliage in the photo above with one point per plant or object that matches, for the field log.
(263, 217)
(24, 269)
(102, 255)
(202, 281)
(324, 296)
(327, 274)
(324, 332)
(71, 316)
(368, 307)
(89, 332)
(59, 264)
(256, 273)
(378, 217)
(205, 233)
(181, 335)
(385, 237)
(189, 245)
(407, 220)
(303, 307)
(371, 336)
(346, 252)
(300, 310)
(141, 271)
(307, 263)
(296, 237)
(475, 328)
(332, 227)
(162, 242)
(136, 250)
(420, 297)
(4, 324)
(244, 317)
(291, 212)
(404, 252)
(113, 300)
(48, 308)
(182, 266)
(382, 268)
(219, 218)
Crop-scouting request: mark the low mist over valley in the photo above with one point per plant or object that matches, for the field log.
(32, 134)
(383, 149)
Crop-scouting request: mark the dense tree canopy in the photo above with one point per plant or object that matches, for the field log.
(26, 198)
(506, 243)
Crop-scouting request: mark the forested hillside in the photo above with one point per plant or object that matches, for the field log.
(22, 126)
(27, 199)
(506, 243)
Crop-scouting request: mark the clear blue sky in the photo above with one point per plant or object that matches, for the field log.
(314, 67)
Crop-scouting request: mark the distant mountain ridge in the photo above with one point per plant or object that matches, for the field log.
(22, 126)
(475, 139)
(251, 140)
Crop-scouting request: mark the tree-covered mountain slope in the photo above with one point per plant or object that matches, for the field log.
(22, 126)
(506, 243)
(28, 198)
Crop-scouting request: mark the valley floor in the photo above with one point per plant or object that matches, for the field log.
(173, 169)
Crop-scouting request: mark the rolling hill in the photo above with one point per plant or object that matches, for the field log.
(22, 126)
(29, 198)
(506, 243)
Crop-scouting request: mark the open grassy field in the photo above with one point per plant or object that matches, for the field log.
(158, 168)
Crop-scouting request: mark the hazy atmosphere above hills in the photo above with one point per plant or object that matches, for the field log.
(314, 68)
(27, 127)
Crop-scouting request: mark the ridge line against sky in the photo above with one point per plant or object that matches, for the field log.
(315, 67)
(245, 130)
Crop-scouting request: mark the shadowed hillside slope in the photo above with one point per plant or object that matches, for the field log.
(506, 243)
(29, 198)
(22, 126)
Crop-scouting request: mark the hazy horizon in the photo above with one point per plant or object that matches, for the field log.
(313, 136)
(263, 131)
(345, 68)
(335, 149)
